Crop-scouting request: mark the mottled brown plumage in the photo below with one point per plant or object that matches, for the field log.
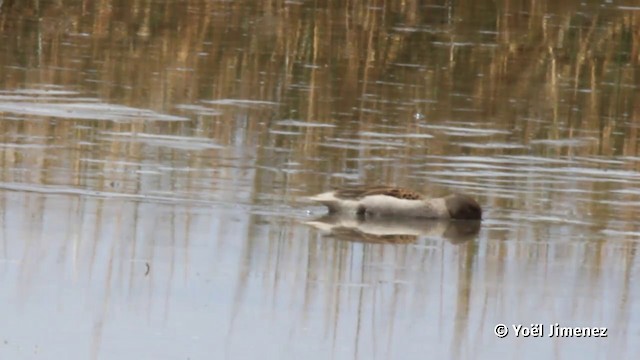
(359, 192)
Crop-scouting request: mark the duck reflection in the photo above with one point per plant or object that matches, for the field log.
(394, 231)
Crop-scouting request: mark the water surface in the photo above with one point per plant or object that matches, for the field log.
(155, 160)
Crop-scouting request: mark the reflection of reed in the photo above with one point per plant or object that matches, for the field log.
(329, 56)
(255, 270)
(87, 257)
(363, 69)
(375, 88)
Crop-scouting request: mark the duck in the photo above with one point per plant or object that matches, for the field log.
(384, 201)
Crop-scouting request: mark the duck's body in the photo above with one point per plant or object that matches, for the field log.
(386, 201)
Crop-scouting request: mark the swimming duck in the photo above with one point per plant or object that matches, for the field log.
(388, 201)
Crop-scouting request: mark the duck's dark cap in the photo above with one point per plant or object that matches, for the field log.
(463, 207)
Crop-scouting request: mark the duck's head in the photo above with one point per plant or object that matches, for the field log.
(463, 207)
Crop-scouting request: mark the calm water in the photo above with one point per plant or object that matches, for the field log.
(155, 158)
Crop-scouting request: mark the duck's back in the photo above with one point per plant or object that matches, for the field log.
(381, 201)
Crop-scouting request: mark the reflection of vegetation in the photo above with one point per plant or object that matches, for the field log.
(506, 62)
(537, 70)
